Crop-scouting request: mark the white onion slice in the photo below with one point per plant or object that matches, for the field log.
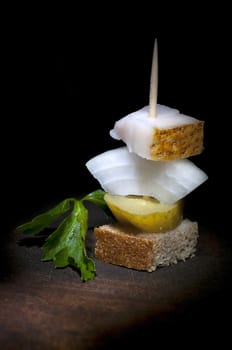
(136, 129)
(123, 173)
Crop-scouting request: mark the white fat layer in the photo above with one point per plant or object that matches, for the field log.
(136, 129)
(121, 172)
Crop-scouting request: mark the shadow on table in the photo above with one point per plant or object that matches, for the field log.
(200, 323)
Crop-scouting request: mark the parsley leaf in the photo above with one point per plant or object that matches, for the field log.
(66, 245)
(97, 197)
(40, 222)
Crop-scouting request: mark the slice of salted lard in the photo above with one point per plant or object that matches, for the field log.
(123, 173)
(170, 135)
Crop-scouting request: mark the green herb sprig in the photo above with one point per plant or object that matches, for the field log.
(66, 245)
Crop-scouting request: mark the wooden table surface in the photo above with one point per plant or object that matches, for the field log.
(46, 308)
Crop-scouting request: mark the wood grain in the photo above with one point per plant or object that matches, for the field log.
(46, 308)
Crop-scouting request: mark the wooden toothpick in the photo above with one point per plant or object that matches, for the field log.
(154, 83)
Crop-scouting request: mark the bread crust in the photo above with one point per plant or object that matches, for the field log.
(126, 246)
(180, 142)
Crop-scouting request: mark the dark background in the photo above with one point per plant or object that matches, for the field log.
(68, 74)
(67, 83)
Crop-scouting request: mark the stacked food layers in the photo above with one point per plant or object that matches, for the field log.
(146, 182)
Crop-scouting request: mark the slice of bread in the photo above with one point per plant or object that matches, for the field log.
(180, 142)
(125, 246)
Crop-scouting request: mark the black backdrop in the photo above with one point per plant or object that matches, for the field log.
(67, 87)
(68, 78)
